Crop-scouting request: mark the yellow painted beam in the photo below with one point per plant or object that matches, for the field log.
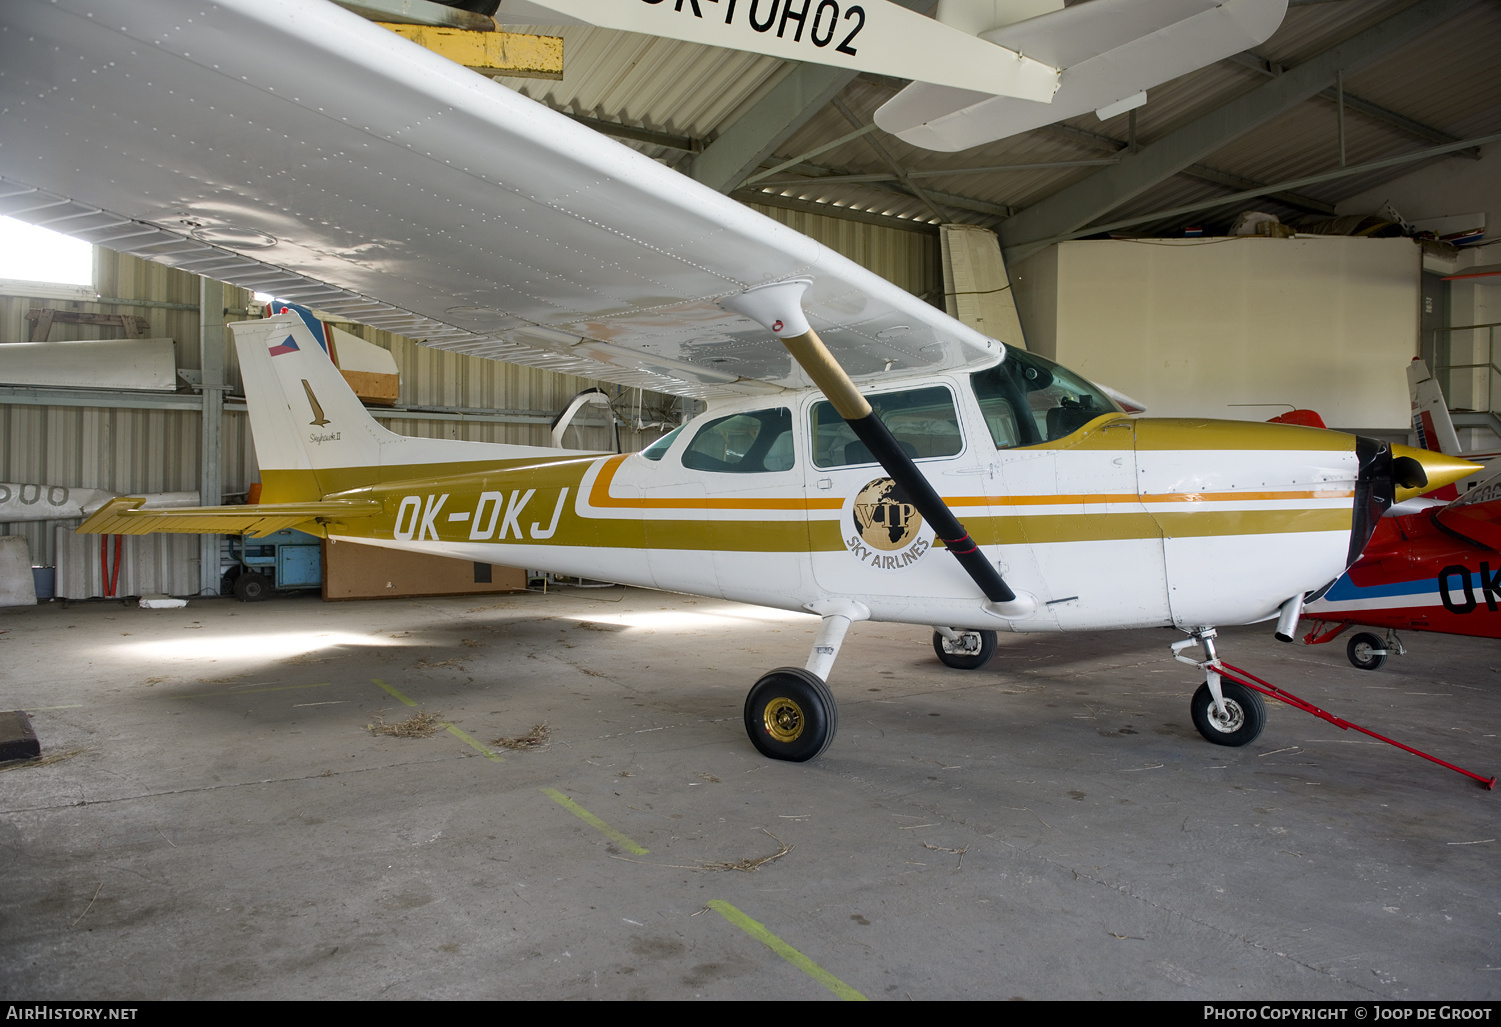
(490, 53)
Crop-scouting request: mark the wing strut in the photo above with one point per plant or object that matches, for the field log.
(778, 308)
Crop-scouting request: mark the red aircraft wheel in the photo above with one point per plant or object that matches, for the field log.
(1366, 651)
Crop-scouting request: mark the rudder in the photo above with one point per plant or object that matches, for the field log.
(304, 417)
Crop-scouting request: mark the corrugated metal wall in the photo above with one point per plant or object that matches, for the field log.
(128, 450)
(909, 259)
(434, 379)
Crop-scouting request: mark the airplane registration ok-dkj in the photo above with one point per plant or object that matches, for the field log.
(853, 433)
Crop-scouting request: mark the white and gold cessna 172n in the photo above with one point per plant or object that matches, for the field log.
(853, 433)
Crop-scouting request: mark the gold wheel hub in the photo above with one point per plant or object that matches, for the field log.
(784, 719)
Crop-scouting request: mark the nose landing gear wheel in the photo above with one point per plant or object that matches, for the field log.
(1366, 651)
(971, 651)
(790, 715)
(1245, 714)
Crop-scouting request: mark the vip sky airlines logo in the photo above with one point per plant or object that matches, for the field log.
(883, 529)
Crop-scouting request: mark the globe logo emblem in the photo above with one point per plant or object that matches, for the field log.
(883, 516)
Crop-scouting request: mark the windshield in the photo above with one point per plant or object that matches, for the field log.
(1027, 399)
(659, 449)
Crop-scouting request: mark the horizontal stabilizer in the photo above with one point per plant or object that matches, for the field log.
(124, 516)
(1108, 50)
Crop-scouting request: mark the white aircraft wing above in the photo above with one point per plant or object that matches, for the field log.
(1110, 53)
(294, 148)
(874, 35)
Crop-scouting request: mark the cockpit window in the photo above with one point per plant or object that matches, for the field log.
(1027, 400)
(922, 420)
(657, 450)
(749, 443)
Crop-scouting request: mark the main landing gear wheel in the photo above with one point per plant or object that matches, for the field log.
(970, 651)
(252, 587)
(1366, 651)
(1245, 714)
(790, 715)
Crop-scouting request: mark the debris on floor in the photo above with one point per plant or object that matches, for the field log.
(418, 725)
(533, 739)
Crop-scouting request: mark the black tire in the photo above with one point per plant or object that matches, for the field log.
(252, 587)
(966, 657)
(1247, 714)
(1360, 647)
(790, 714)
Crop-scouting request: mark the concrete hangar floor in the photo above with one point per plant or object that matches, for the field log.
(215, 820)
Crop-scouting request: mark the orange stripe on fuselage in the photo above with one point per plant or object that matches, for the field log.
(599, 496)
(1168, 497)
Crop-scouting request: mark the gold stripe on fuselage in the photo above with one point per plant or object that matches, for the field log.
(522, 501)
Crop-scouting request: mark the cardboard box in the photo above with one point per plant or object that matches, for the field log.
(354, 571)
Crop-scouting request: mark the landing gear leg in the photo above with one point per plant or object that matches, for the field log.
(790, 714)
(1225, 712)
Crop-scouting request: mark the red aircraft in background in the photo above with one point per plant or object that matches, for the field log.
(1433, 564)
(1435, 569)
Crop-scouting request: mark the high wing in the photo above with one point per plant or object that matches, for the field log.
(292, 147)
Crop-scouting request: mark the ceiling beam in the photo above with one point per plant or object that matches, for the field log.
(1447, 150)
(791, 104)
(1374, 111)
(891, 162)
(804, 171)
(813, 176)
(807, 155)
(1200, 171)
(1078, 205)
(1297, 201)
(754, 197)
(637, 133)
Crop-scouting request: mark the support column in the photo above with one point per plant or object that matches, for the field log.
(211, 448)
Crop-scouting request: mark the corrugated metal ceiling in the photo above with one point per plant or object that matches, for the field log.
(1447, 78)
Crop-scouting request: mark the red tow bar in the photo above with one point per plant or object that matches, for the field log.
(1254, 683)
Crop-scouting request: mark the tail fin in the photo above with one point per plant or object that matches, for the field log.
(304, 417)
(1431, 422)
(1430, 414)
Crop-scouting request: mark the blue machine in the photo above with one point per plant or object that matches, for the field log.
(285, 559)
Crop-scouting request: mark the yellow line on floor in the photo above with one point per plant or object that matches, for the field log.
(760, 933)
(456, 732)
(486, 753)
(393, 692)
(594, 822)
